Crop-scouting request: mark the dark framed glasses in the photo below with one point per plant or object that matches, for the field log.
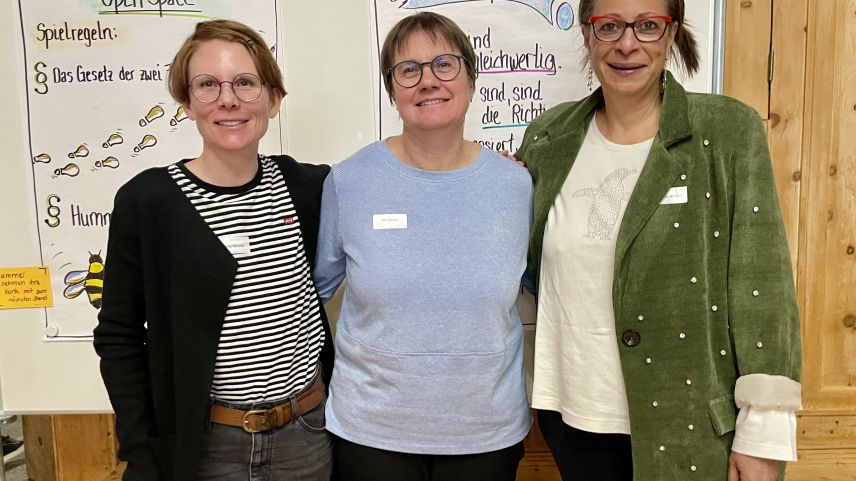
(207, 88)
(611, 29)
(445, 67)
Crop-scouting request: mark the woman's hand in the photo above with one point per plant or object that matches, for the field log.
(742, 467)
(508, 156)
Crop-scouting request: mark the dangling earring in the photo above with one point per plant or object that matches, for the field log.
(590, 74)
(663, 81)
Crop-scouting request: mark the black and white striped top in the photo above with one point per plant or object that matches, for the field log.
(272, 334)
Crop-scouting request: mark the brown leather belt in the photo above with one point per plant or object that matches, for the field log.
(261, 420)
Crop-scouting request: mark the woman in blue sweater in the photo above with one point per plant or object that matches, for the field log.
(431, 232)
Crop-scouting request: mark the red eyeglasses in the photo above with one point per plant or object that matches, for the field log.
(648, 29)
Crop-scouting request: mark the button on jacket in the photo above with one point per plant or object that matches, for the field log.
(703, 291)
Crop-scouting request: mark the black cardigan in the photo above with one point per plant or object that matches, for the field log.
(166, 287)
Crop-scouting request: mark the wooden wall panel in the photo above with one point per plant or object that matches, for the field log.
(829, 430)
(823, 465)
(69, 447)
(787, 106)
(747, 43)
(827, 256)
(827, 243)
(840, 370)
(39, 447)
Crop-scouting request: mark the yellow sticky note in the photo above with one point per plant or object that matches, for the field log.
(23, 287)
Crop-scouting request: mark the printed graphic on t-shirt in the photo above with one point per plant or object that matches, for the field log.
(606, 206)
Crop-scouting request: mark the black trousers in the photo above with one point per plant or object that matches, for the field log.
(356, 462)
(584, 456)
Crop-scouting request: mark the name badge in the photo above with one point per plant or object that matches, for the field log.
(389, 221)
(236, 244)
(676, 195)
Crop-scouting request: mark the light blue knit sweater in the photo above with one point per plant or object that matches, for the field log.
(429, 347)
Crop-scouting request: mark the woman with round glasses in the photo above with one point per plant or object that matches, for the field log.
(430, 231)
(668, 343)
(211, 330)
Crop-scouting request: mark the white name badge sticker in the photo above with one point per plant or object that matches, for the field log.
(389, 221)
(237, 244)
(676, 195)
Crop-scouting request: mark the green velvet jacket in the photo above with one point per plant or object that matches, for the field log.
(703, 291)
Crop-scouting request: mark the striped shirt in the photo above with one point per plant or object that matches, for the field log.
(272, 333)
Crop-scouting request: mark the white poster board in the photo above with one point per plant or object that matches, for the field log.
(529, 56)
(97, 112)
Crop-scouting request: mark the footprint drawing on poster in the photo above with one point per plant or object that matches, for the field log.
(114, 139)
(110, 162)
(81, 151)
(69, 170)
(89, 280)
(180, 115)
(154, 113)
(42, 158)
(147, 141)
(556, 12)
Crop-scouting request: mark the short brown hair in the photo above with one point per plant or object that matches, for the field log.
(230, 31)
(435, 26)
(685, 42)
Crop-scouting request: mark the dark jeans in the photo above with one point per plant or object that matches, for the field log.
(585, 456)
(298, 451)
(356, 462)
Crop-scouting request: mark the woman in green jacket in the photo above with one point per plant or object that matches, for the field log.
(668, 334)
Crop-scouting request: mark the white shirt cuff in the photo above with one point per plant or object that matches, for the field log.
(770, 434)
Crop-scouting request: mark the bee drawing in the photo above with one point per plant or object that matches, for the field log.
(90, 280)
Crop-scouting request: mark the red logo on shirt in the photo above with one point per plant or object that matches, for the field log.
(288, 220)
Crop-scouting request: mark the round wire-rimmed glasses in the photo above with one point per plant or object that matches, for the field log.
(445, 67)
(207, 88)
(611, 29)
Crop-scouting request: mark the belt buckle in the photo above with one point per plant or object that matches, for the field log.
(266, 418)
